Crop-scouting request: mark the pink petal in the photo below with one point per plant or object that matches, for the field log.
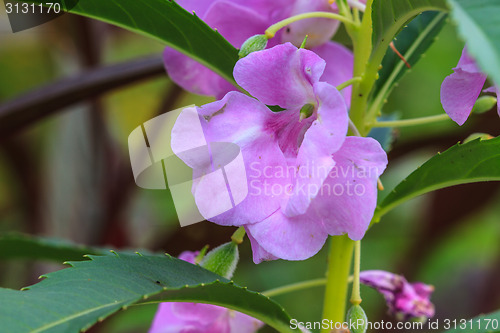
(241, 120)
(497, 91)
(193, 76)
(460, 90)
(314, 160)
(348, 197)
(275, 10)
(339, 66)
(259, 254)
(165, 321)
(289, 238)
(197, 6)
(282, 75)
(319, 30)
(242, 323)
(236, 23)
(189, 256)
(203, 314)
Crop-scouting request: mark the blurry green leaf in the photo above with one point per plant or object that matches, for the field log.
(411, 42)
(16, 246)
(479, 24)
(475, 161)
(488, 323)
(169, 23)
(390, 16)
(74, 299)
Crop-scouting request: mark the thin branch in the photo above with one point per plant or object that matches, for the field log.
(47, 100)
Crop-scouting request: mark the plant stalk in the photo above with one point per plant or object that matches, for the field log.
(339, 266)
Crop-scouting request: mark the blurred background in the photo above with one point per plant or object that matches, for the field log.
(65, 173)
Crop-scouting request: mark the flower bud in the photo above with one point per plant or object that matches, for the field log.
(474, 136)
(252, 44)
(222, 260)
(484, 103)
(356, 319)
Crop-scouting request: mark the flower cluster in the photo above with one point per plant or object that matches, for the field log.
(405, 300)
(309, 134)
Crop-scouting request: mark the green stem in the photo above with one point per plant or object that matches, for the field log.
(339, 265)
(347, 83)
(298, 286)
(271, 31)
(361, 36)
(356, 296)
(294, 287)
(411, 122)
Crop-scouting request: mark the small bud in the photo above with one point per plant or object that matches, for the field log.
(306, 111)
(356, 319)
(252, 44)
(222, 260)
(474, 136)
(484, 103)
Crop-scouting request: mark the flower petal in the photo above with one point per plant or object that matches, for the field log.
(348, 197)
(339, 66)
(165, 321)
(289, 238)
(282, 75)
(496, 90)
(314, 160)
(259, 254)
(193, 76)
(242, 323)
(318, 30)
(460, 90)
(236, 23)
(241, 120)
(199, 7)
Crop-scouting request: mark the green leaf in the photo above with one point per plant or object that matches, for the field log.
(411, 42)
(168, 23)
(74, 299)
(390, 16)
(16, 246)
(479, 24)
(472, 162)
(488, 323)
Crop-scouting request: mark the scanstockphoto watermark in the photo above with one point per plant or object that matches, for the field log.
(277, 180)
(354, 326)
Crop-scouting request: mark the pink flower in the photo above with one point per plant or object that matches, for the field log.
(461, 89)
(200, 318)
(306, 179)
(405, 300)
(237, 20)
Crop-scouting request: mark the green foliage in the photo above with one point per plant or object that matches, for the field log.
(74, 299)
(411, 42)
(390, 16)
(169, 23)
(488, 323)
(475, 161)
(479, 24)
(16, 246)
